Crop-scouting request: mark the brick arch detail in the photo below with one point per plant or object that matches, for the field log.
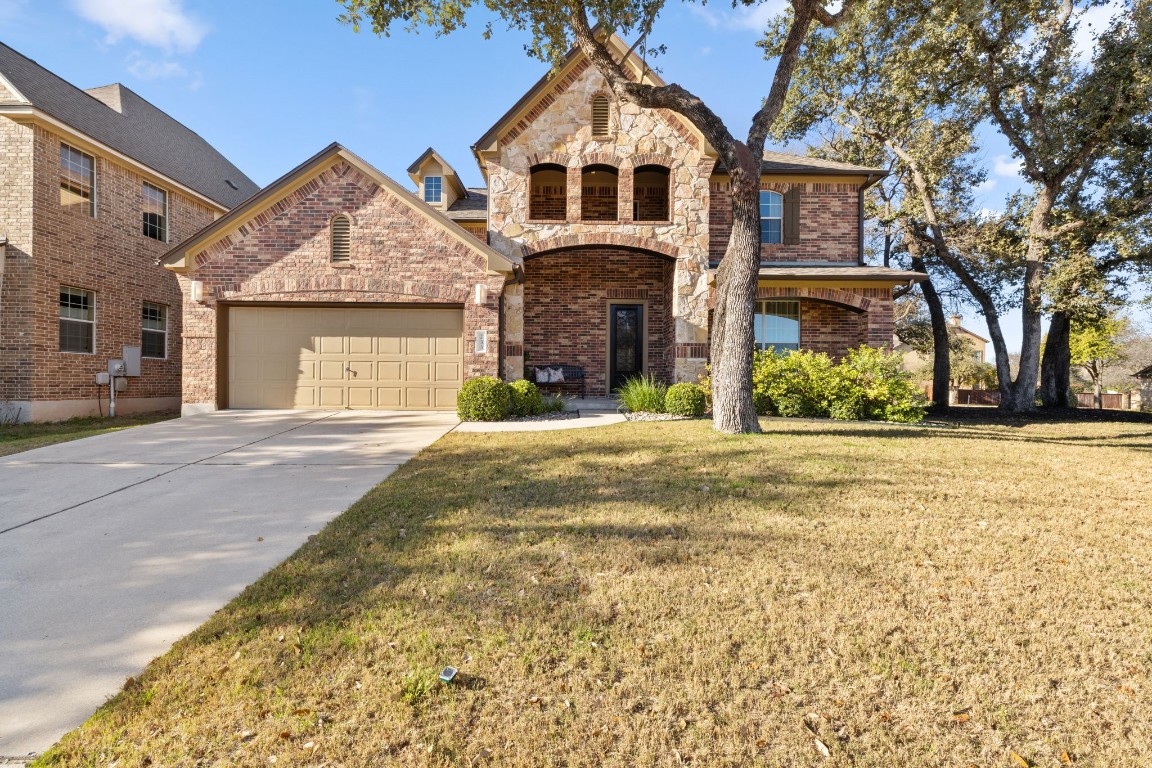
(653, 158)
(404, 290)
(609, 239)
(554, 158)
(850, 301)
(603, 158)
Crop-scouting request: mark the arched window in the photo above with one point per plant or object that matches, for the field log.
(601, 114)
(341, 238)
(650, 193)
(548, 194)
(771, 217)
(599, 185)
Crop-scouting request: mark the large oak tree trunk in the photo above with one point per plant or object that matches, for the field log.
(733, 339)
(1056, 365)
(941, 362)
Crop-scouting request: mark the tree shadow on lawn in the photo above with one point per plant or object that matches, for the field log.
(991, 432)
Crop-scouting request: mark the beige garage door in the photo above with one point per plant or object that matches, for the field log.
(318, 357)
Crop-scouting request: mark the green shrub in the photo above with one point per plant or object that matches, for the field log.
(643, 394)
(552, 404)
(685, 399)
(484, 398)
(526, 398)
(867, 384)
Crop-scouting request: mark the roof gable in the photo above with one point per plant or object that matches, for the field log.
(431, 157)
(117, 117)
(285, 192)
(541, 95)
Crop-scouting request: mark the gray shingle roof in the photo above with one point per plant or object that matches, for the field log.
(785, 162)
(471, 208)
(138, 129)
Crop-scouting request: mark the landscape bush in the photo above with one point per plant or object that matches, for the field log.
(526, 398)
(484, 398)
(643, 394)
(685, 399)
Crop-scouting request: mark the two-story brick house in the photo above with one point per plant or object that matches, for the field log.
(94, 186)
(594, 243)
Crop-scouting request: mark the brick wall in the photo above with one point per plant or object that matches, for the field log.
(834, 320)
(281, 253)
(829, 222)
(107, 254)
(566, 298)
(16, 317)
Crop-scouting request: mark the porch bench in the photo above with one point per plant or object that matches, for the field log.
(570, 375)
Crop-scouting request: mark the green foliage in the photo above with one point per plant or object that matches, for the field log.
(484, 398)
(416, 687)
(868, 384)
(685, 399)
(643, 394)
(526, 398)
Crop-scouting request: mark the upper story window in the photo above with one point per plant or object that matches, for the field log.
(548, 192)
(77, 181)
(599, 187)
(433, 188)
(155, 213)
(771, 217)
(601, 115)
(341, 238)
(154, 330)
(777, 325)
(650, 193)
(77, 320)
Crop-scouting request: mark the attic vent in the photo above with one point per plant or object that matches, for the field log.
(341, 239)
(600, 113)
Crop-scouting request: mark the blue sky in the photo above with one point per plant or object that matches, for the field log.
(269, 88)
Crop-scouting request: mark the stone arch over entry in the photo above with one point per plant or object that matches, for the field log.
(597, 240)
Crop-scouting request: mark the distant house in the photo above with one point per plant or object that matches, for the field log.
(919, 364)
(1144, 376)
(94, 187)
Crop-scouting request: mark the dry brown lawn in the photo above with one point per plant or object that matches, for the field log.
(660, 595)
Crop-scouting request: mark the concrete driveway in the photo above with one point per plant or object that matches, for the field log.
(113, 547)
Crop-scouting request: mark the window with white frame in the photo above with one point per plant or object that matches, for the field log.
(155, 213)
(771, 217)
(77, 320)
(777, 325)
(433, 188)
(77, 181)
(154, 330)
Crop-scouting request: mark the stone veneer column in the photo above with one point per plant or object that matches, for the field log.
(513, 331)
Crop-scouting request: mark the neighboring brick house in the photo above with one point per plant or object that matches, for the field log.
(594, 243)
(94, 186)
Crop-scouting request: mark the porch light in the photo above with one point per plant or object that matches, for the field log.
(196, 293)
(481, 293)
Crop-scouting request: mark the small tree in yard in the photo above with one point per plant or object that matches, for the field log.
(557, 26)
(1095, 347)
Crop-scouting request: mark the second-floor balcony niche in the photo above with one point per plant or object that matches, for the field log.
(548, 195)
(599, 188)
(650, 193)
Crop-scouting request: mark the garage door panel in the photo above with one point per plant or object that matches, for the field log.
(447, 372)
(330, 357)
(417, 371)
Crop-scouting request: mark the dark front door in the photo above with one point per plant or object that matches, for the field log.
(626, 343)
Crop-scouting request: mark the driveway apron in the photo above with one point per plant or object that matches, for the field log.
(115, 546)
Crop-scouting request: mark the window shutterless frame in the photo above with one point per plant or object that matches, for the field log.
(776, 325)
(77, 180)
(154, 331)
(433, 189)
(155, 213)
(77, 324)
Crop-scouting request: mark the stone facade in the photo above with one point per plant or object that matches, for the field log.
(280, 252)
(559, 131)
(50, 247)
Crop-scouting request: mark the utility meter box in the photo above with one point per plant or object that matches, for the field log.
(131, 361)
(117, 368)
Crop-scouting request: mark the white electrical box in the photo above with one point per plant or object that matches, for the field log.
(481, 342)
(102, 378)
(131, 361)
